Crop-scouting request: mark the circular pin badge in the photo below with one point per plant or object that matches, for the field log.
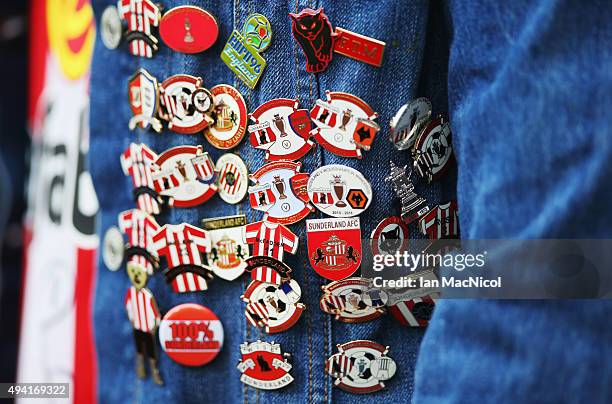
(203, 100)
(113, 248)
(183, 101)
(389, 236)
(233, 178)
(111, 28)
(188, 29)
(274, 308)
(409, 122)
(433, 150)
(339, 191)
(257, 32)
(191, 334)
(230, 117)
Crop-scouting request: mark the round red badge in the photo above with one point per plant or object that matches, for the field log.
(191, 334)
(188, 29)
(230, 117)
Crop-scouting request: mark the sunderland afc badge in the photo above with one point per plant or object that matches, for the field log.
(228, 252)
(409, 122)
(279, 190)
(191, 334)
(433, 150)
(313, 32)
(345, 124)
(230, 116)
(185, 104)
(269, 240)
(339, 191)
(185, 173)
(143, 95)
(361, 366)
(264, 366)
(232, 178)
(281, 129)
(273, 308)
(334, 246)
(352, 300)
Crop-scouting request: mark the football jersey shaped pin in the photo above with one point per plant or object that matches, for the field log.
(413, 206)
(352, 300)
(345, 124)
(185, 104)
(230, 115)
(185, 173)
(191, 334)
(142, 17)
(242, 50)
(361, 366)
(264, 366)
(140, 227)
(409, 122)
(188, 29)
(138, 161)
(313, 32)
(232, 178)
(183, 245)
(143, 95)
(433, 150)
(339, 191)
(334, 246)
(279, 190)
(281, 129)
(441, 222)
(228, 252)
(274, 308)
(270, 240)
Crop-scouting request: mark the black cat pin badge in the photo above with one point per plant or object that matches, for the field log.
(264, 366)
(313, 32)
(334, 246)
(390, 236)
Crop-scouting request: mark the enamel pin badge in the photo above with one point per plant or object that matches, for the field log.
(313, 32)
(334, 246)
(339, 191)
(441, 222)
(113, 249)
(111, 28)
(242, 50)
(413, 206)
(230, 116)
(344, 124)
(228, 252)
(433, 150)
(390, 236)
(281, 129)
(183, 245)
(138, 162)
(409, 122)
(185, 173)
(140, 227)
(361, 366)
(269, 240)
(188, 29)
(352, 300)
(359, 47)
(279, 190)
(142, 17)
(143, 95)
(191, 334)
(232, 178)
(264, 366)
(273, 308)
(266, 268)
(415, 312)
(185, 104)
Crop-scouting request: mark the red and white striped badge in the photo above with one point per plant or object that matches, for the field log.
(433, 150)
(274, 308)
(441, 222)
(191, 334)
(232, 178)
(185, 104)
(414, 312)
(142, 17)
(352, 300)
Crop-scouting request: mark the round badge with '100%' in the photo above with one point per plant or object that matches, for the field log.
(339, 191)
(191, 334)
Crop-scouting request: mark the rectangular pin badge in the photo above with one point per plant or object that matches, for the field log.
(359, 47)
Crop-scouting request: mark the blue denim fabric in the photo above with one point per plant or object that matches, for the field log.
(528, 84)
(402, 26)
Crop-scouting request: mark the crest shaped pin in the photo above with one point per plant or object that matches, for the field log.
(142, 17)
(143, 95)
(228, 253)
(185, 173)
(344, 124)
(361, 366)
(352, 300)
(339, 191)
(264, 366)
(273, 308)
(334, 246)
(281, 129)
(279, 190)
